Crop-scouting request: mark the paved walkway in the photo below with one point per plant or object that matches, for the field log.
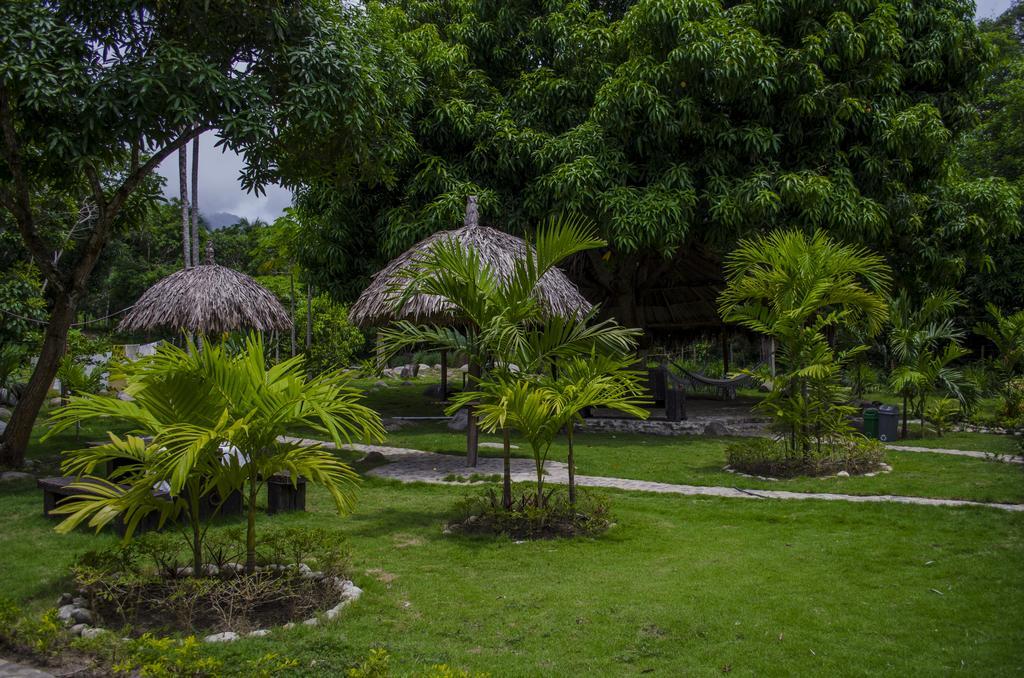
(1011, 458)
(12, 670)
(409, 466)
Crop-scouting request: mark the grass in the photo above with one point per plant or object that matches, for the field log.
(693, 586)
(696, 460)
(679, 586)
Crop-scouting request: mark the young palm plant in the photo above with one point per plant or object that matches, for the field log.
(1007, 333)
(217, 421)
(924, 343)
(493, 310)
(798, 289)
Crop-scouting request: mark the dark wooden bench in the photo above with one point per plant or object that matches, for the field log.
(283, 496)
(56, 489)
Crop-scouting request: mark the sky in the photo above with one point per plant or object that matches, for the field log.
(219, 189)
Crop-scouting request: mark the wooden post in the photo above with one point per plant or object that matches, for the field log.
(725, 353)
(472, 433)
(444, 375)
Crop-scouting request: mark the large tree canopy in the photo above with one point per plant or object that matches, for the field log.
(675, 124)
(996, 148)
(94, 94)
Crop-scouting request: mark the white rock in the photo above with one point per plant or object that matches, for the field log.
(81, 615)
(184, 571)
(92, 632)
(78, 628)
(312, 621)
(233, 567)
(843, 474)
(258, 633)
(352, 591)
(225, 637)
(65, 612)
(211, 570)
(79, 601)
(13, 476)
(304, 569)
(289, 625)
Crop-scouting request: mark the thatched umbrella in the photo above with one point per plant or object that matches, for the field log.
(376, 305)
(556, 294)
(207, 299)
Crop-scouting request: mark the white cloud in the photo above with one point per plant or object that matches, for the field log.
(219, 187)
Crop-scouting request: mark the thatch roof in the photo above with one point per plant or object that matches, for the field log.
(376, 305)
(208, 299)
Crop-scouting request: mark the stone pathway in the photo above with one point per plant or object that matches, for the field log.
(410, 466)
(12, 670)
(1010, 458)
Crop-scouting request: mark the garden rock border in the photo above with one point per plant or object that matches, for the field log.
(72, 610)
(882, 468)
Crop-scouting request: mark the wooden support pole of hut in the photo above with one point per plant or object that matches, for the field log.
(725, 352)
(444, 375)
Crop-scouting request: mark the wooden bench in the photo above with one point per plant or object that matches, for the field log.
(282, 496)
(56, 489)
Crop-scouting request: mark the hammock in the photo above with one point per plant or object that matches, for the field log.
(725, 387)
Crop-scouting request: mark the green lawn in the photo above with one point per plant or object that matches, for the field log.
(696, 460)
(679, 586)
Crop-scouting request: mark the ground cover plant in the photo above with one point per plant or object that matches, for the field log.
(679, 585)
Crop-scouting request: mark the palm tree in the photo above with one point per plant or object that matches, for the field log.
(924, 342)
(593, 381)
(798, 289)
(217, 421)
(1007, 333)
(493, 309)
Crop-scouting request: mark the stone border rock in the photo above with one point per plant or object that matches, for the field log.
(882, 468)
(78, 618)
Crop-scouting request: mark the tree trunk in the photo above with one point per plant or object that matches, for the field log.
(904, 416)
(572, 467)
(195, 201)
(19, 428)
(444, 376)
(506, 482)
(309, 317)
(291, 282)
(186, 240)
(472, 431)
(250, 525)
(197, 529)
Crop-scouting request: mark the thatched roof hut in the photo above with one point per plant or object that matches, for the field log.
(208, 299)
(376, 305)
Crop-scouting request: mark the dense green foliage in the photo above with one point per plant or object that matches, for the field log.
(672, 124)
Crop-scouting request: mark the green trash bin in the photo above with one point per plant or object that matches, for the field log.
(871, 423)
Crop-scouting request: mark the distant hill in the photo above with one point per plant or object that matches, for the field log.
(219, 220)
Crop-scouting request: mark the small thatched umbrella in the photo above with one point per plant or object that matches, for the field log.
(207, 299)
(557, 294)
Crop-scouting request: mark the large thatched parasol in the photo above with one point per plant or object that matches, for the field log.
(207, 299)
(376, 305)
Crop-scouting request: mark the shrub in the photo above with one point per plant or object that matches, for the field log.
(1012, 407)
(941, 413)
(152, 657)
(530, 518)
(774, 458)
(335, 341)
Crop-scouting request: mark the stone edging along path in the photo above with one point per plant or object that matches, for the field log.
(1009, 458)
(417, 466)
